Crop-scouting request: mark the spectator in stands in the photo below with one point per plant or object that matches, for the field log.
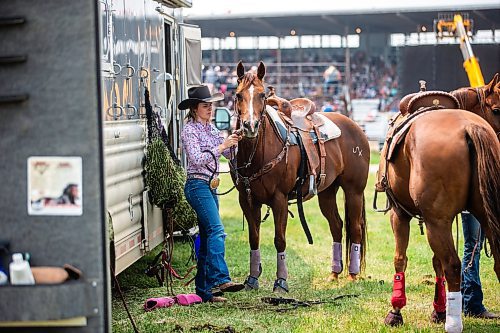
(204, 145)
(331, 78)
(210, 76)
(327, 107)
(472, 293)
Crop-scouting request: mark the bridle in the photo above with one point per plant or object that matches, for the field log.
(240, 126)
(246, 180)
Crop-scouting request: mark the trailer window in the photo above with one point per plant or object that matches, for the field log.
(193, 61)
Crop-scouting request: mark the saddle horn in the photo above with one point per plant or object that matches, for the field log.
(422, 85)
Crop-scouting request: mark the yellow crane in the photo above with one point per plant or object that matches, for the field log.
(459, 26)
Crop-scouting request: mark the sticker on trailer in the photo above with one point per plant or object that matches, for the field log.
(55, 185)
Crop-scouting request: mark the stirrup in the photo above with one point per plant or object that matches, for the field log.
(251, 283)
(387, 204)
(313, 190)
(280, 285)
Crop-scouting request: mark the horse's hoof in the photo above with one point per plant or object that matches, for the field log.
(394, 319)
(352, 277)
(333, 277)
(280, 286)
(251, 283)
(438, 317)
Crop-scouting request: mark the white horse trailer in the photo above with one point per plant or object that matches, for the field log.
(144, 45)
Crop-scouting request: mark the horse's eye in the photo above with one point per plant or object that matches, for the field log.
(239, 96)
(496, 112)
(262, 95)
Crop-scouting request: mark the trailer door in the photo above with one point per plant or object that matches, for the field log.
(190, 72)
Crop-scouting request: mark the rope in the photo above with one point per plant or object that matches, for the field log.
(123, 301)
(469, 265)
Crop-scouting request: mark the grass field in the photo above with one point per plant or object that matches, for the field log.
(308, 266)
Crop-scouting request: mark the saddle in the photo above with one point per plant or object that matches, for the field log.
(313, 128)
(411, 107)
(426, 99)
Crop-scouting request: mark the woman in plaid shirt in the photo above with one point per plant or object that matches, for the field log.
(203, 146)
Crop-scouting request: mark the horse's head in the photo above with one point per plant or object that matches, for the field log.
(484, 101)
(492, 102)
(250, 102)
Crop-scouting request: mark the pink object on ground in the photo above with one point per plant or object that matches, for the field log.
(188, 299)
(161, 302)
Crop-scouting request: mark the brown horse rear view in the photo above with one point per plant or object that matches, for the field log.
(447, 162)
(267, 169)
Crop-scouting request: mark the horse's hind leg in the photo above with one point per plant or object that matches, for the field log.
(439, 313)
(401, 230)
(328, 205)
(441, 242)
(355, 231)
(252, 214)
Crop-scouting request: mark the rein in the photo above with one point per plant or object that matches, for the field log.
(215, 171)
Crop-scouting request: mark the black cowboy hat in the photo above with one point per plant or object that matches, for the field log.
(199, 94)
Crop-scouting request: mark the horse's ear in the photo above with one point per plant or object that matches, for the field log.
(488, 89)
(240, 70)
(261, 71)
(497, 80)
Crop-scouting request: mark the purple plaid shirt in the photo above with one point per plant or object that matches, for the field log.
(196, 138)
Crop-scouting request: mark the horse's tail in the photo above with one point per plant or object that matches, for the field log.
(487, 156)
(348, 239)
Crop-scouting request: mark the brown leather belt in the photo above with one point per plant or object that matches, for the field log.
(212, 183)
(198, 176)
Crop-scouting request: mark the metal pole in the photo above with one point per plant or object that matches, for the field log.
(347, 63)
(278, 67)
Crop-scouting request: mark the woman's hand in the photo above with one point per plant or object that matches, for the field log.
(230, 141)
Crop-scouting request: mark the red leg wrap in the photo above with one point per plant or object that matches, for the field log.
(398, 299)
(440, 295)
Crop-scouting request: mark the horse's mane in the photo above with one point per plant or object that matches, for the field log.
(462, 95)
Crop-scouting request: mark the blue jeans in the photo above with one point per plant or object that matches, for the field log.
(471, 283)
(211, 266)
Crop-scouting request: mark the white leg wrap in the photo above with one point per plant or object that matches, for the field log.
(355, 259)
(453, 312)
(282, 272)
(337, 264)
(254, 263)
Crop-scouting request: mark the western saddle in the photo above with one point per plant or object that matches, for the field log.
(300, 114)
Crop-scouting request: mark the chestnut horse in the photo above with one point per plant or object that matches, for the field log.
(447, 163)
(483, 101)
(266, 173)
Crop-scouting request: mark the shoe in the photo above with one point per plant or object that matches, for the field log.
(485, 315)
(231, 287)
(217, 299)
(187, 299)
(160, 302)
(215, 291)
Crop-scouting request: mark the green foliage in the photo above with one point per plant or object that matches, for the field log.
(183, 214)
(165, 181)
